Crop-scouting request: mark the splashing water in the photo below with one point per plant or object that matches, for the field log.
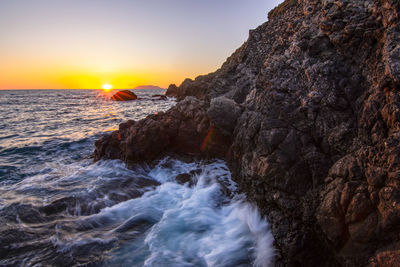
(107, 214)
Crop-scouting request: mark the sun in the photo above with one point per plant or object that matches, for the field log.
(106, 87)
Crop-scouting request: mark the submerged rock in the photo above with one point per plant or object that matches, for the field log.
(124, 95)
(316, 140)
(188, 178)
(116, 191)
(160, 97)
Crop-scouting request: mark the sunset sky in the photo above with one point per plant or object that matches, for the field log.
(54, 44)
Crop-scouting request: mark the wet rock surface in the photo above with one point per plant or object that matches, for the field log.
(160, 97)
(188, 178)
(313, 133)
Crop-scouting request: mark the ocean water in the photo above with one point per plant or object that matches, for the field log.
(58, 208)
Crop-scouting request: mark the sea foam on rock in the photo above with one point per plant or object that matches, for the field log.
(316, 144)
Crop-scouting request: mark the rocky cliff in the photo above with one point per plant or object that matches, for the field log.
(307, 114)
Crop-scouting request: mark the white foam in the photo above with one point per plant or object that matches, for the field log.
(194, 228)
(170, 225)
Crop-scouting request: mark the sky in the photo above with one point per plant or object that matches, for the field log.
(84, 44)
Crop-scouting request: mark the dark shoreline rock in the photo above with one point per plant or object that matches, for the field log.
(182, 129)
(160, 97)
(316, 143)
(172, 91)
(223, 113)
(124, 95)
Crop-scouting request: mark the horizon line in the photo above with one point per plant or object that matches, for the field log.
(5, 89)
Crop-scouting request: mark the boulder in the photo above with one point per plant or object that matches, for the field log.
(124, 95)
(223, 113)
(160, 97)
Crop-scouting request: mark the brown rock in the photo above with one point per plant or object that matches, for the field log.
(317, 142)
(223, 113)
(124, 95)
(183, 129)
(389, 258)
(172, 91)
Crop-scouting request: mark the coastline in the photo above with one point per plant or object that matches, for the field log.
(311, 134)
(57, 207)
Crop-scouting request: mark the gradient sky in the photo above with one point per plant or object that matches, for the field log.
(86, 43)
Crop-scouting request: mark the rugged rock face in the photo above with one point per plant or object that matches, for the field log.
(314, 129)
(124, 95)
(182, 130)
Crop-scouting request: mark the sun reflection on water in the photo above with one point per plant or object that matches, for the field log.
(62, 115)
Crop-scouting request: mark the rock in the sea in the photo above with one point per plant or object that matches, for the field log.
(124, 95)
(316, 143)
(172, 91)
(160, 97)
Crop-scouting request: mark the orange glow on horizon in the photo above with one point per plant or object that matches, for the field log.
(77, 70)
(50, 77)
(78, 45)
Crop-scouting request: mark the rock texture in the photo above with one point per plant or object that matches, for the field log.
(124, 95)
(223, 113)
(313, 136)
(182, 130)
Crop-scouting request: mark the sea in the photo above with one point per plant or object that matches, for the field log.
(59, 208)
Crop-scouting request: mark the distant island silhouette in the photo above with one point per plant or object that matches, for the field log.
(152, 87)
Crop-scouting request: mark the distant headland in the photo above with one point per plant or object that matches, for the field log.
(148, 87)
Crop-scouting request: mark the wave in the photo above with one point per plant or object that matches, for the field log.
(173, 214)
